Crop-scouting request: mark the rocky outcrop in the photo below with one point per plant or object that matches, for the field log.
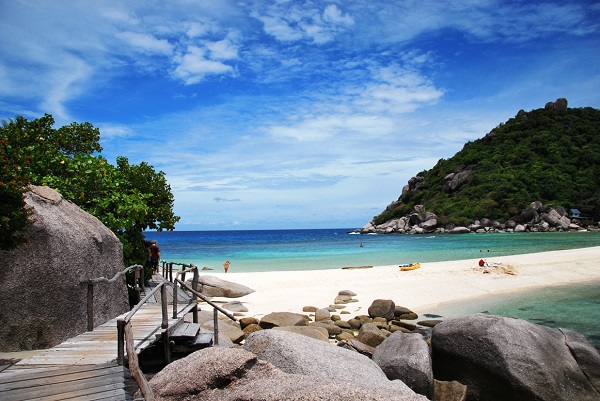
(453, 180)
(476, 357)
(297, 354)
(535, 218)
(218, 374)
(212, 286)
(560, 104)
(501, 358)
(405, 356)
(43, 302)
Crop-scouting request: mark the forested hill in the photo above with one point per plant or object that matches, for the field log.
(551, 155)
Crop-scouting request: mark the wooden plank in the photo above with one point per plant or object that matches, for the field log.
(186, 330)
(48, 375)
(203, 339)
(33, 374)
(64, 383)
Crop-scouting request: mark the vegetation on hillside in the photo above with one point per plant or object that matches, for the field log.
(545, 155)
(126, 198)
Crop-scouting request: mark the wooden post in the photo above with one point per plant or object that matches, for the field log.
(163, 301)
(134, 366)
(171, 272)
(90, 307)
(167, 346)
(120, 341)
(194, 296)
(216, 329)
(142, 278)
(175, 299)
(136, 281)
(183, 273)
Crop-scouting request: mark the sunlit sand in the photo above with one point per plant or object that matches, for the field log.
(421, 290)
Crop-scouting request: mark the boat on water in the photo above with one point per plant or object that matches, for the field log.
(410, 266)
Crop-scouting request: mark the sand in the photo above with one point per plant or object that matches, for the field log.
(421, 290)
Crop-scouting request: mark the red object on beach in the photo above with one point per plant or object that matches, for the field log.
(481, 262)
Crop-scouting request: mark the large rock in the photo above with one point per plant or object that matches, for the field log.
(212, 286)
(281, 319)
(382, 308)
(318, 333)
(371, 335)
(215, 374)
(405, 356)
(229, 331)
(501, 358)
(43, 302)
(297, 354)
(454, 180)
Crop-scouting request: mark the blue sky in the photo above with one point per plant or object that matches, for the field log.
(292, 114)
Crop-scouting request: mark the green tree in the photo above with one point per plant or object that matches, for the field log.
(14, 215)
(127, 198)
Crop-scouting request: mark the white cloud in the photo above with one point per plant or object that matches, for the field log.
(145, 42)
(334, 15)
(193, 66)
(223, 50)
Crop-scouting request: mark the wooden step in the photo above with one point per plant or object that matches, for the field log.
(203, 340)
(185, 330)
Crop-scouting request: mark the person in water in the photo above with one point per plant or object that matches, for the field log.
(226, 266)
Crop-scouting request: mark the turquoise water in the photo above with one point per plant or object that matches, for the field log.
(271, 250)
(575, 307)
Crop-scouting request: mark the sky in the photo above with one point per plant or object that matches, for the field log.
(292, 113)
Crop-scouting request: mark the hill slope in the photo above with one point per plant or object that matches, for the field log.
(550, 155)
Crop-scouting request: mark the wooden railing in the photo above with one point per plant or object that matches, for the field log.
(191, 268)
(138, 286)
(125, 339)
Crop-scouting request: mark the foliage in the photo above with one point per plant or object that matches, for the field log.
(547, 155)
(126, 198)
(14, 215)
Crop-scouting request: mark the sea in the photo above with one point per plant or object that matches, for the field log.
(575, 307)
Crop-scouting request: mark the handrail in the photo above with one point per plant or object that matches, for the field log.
(125, 339)
(208, 301)
(139, 270)
(125, 332)
(215, 308)
(104, 280)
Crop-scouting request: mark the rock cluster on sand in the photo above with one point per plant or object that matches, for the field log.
(384, 356)
(388, 350)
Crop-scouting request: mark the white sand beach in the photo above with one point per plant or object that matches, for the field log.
(421, 290)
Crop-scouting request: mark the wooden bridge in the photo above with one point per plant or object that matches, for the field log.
(94, 366)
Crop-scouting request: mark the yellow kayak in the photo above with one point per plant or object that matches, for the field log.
(411, 266)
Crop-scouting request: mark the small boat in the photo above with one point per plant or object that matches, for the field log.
(410, 266)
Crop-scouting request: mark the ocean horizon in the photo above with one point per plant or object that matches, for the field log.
(317, 249)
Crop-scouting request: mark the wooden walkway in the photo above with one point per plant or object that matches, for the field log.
(84, 367)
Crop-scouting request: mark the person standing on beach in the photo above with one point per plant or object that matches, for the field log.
(226, 266)
(154, 255)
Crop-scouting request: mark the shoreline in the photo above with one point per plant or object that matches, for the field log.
(423, 290)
